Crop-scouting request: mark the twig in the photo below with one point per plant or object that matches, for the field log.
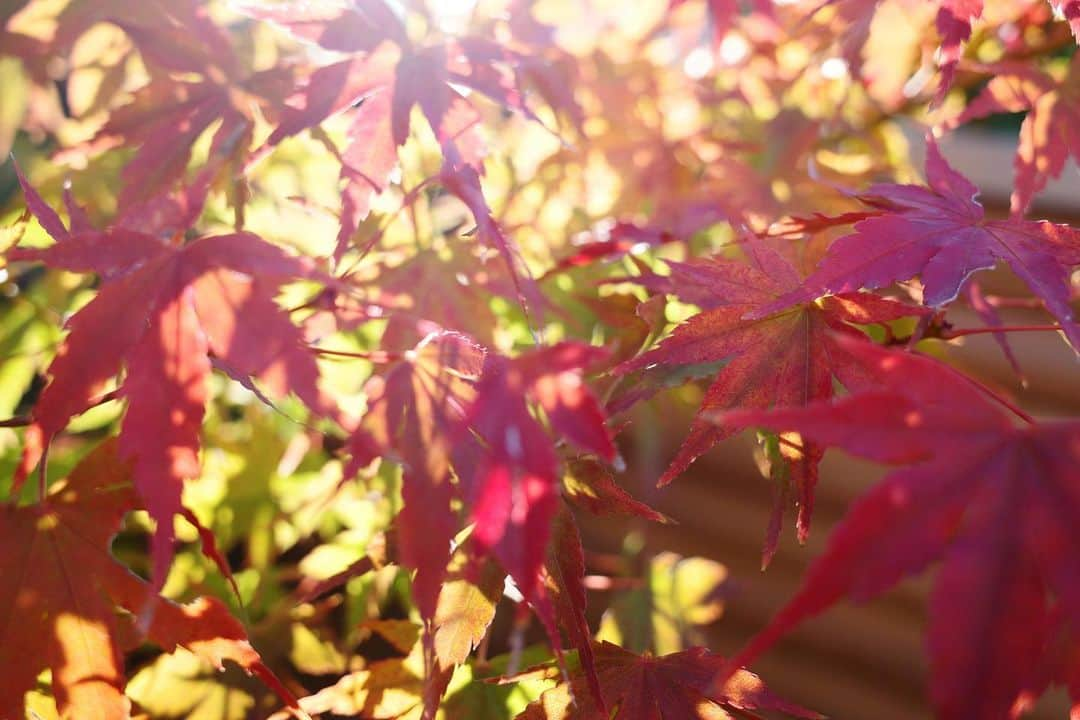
(375, 356)
(950, 334)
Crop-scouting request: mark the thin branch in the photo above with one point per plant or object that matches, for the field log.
(43, 480)
(1007, 404)
(375, 356)
(950, 334)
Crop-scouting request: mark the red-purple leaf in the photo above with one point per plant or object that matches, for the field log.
(420, 79)
(1048, 135)
(566, 570)
(166, 392)
(157, 317)
(463, 180)
(40, 209)
(512, 487)
(351, 27)
(998, 505)
(365, 164)
(414, 412)
(940, 234)
(589, 485)
(981, 305)
(786, 358)
(954, 25)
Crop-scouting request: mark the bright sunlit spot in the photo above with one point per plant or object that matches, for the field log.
(698, 63)
(834, 68)
(452, 16)
(733, 49)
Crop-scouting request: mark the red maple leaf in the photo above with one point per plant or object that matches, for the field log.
(1048, 134)
(163, 314)
(647, 687)
(448, 403)
(942, 235)
(451, 403)
(589, 485)
(413, 411)
(630, 237)
(511, 488)
(168, 114)
(175, 35)
(462, 179)
(387, 75)
(58, 610)
(954, 25)
(451, 292)
(565, 571)
(786, 357)
(998, 505)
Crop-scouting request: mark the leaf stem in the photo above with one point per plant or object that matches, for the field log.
(43, 481)
(375, 356)
(1007, 404)
(950, 334)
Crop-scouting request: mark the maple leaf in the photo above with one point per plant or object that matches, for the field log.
(1048, 135)
(413, 413)
(58, 610)
(175, 35)
(161, 313)
(467, 602)
(166, 116)
(941, 234)
(452, 292)
(666, 687)
(462, 179)
(628, 237)
(996, 504)
(565, 570)
(787, 356)
(953, 22)
(511, 487)
(164, 121)
(335, 25)
(589, 485)
(990, 317)
(450, 403)
(388, 75)
(954, 25)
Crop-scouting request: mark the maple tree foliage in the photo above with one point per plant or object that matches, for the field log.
(789, 357)
(670, 686)
(337, 334)
(59, 607)
(993, 501)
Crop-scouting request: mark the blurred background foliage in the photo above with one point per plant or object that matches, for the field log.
(669, 132)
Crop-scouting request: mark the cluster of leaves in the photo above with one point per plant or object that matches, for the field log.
(438, 254)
